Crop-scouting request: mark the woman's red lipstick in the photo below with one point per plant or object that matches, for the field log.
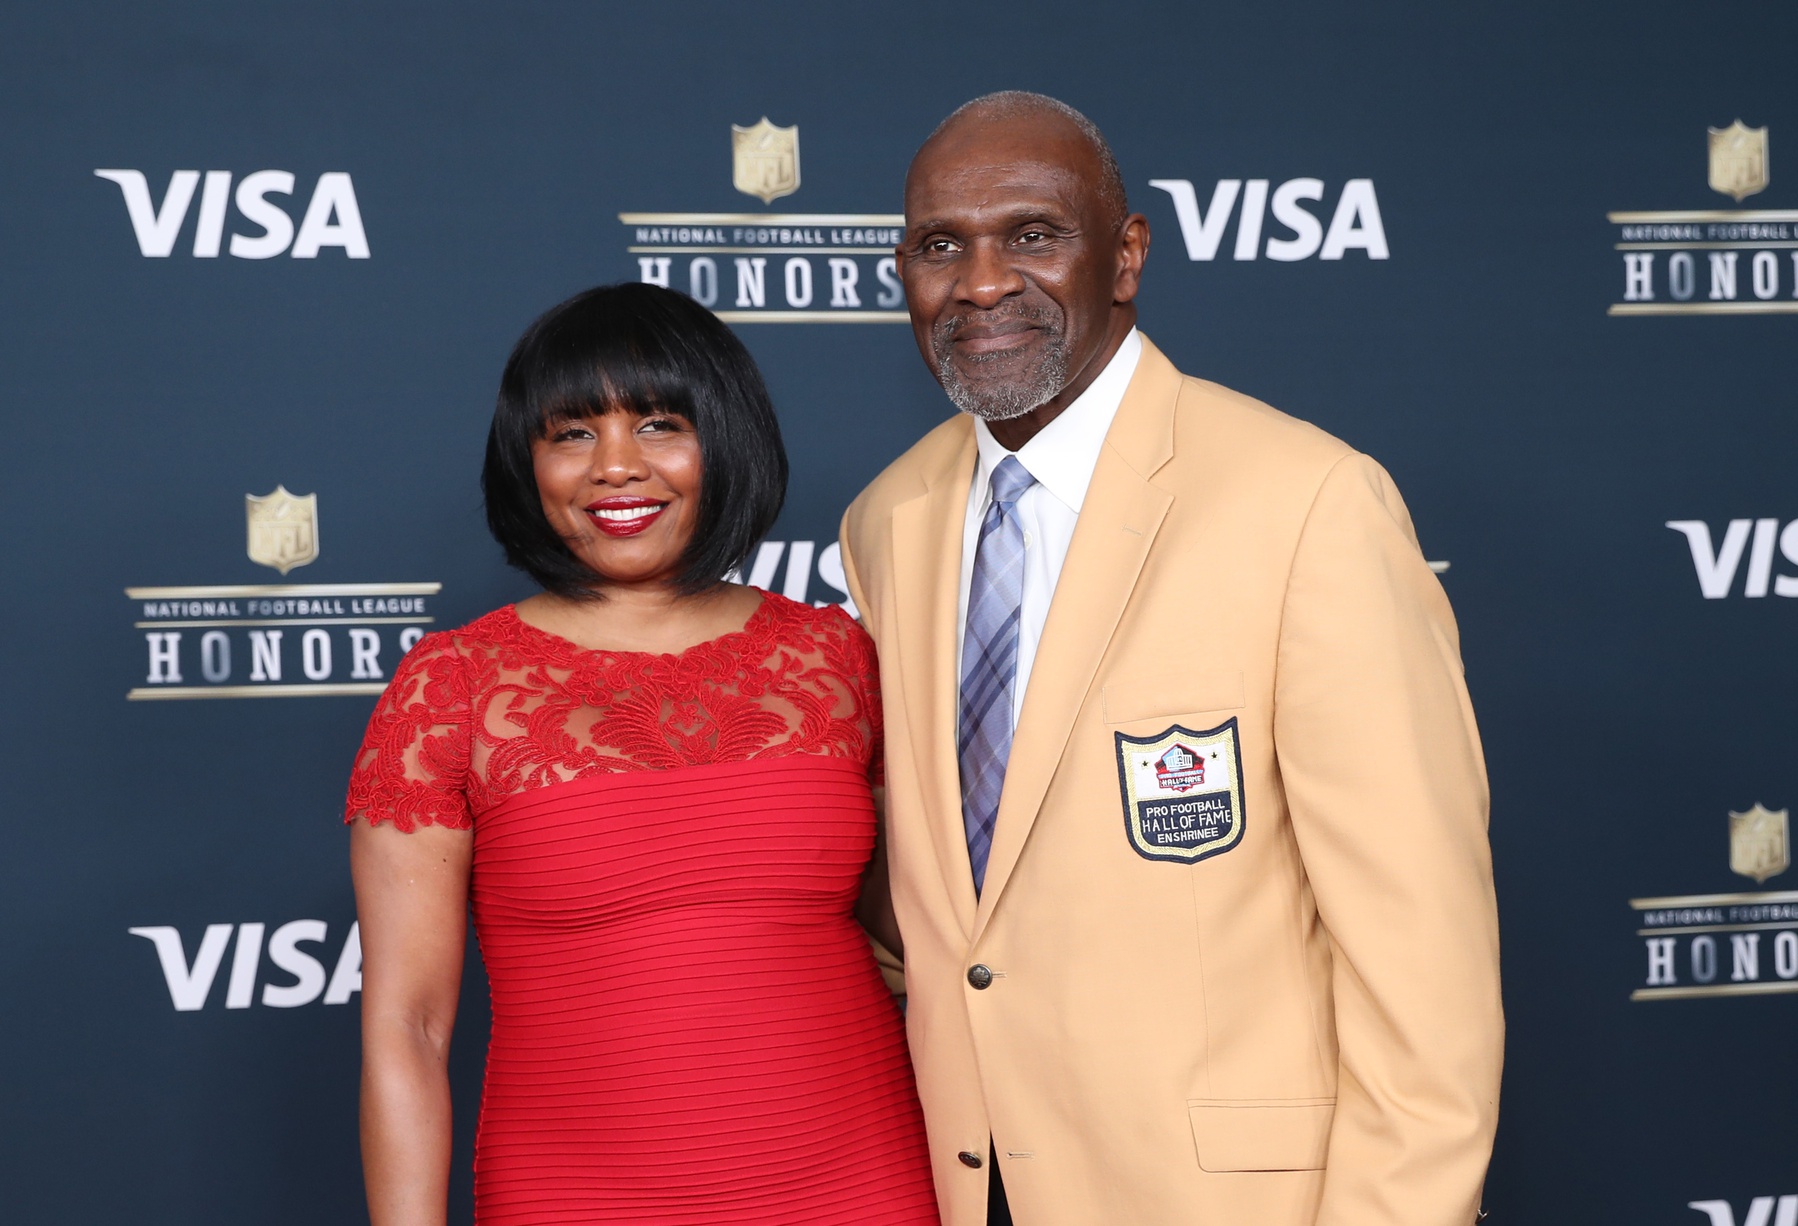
(623, 514)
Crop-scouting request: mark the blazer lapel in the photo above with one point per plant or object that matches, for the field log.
(927, 539)
(1118, 521)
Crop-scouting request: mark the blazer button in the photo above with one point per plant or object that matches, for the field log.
(979, 977)
(969, 1159)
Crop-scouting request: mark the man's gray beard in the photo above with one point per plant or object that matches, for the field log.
(1002, 402)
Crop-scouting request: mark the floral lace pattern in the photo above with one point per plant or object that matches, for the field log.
(476, 715)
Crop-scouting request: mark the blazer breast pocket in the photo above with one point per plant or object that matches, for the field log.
(1177, 691)
(1278, 1134)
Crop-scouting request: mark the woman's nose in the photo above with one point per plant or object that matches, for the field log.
(618, 457)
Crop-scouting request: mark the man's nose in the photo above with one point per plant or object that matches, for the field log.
(987, 276)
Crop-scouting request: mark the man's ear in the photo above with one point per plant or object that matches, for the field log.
(1133, 251)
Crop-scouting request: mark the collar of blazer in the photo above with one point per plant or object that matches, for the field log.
(1122, 513)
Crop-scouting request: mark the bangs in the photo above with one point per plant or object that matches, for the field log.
(573, 409)
(611, 370)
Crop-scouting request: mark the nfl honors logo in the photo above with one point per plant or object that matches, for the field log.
(1713, 261)
(1732, 944)
(276, 640)
(1182, 793)
(773, 268)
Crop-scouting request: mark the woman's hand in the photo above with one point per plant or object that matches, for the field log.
(412, 904)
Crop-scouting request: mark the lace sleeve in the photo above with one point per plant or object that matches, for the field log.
(412, 769)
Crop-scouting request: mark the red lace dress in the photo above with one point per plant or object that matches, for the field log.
(688, 1024)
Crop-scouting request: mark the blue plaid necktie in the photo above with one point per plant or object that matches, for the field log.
(989, 661)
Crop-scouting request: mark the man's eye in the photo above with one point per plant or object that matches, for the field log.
(1032, 236)
(940, 246)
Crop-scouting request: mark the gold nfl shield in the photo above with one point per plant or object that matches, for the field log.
(1738, 160)
(1760, 843)
(765, 160)
(283, 529)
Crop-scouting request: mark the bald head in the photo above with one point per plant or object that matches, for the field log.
(1019, 117)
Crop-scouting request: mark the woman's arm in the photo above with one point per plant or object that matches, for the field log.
(412, 903)
(874, 909)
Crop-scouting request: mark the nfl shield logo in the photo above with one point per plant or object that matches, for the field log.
(765, 160)
(1760, 844)
(1738, 160)
(283, 529)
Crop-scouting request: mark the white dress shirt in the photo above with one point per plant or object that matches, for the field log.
(1061, 457)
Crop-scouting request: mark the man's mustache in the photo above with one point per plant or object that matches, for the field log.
(947, 330)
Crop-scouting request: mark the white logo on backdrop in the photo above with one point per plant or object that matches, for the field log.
(1730, 260)
(804, 561)
(190, 984)
(1718, 562)
(1762, 1211)
(1355, 223)
(332, 217)
(244, 637)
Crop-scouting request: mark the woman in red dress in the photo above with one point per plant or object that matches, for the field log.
(655, 789)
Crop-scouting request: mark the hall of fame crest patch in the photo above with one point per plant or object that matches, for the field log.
(1182, 792)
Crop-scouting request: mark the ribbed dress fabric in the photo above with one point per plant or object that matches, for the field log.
(688, 1024)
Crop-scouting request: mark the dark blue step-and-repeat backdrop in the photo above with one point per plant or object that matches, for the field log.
(259, 269)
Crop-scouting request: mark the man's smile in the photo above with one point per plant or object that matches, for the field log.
(982, 339)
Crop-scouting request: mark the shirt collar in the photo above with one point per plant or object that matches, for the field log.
(1064, 453)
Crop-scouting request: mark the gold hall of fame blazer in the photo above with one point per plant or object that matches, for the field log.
(1264, 997)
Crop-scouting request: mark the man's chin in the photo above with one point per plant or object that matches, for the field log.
(1003, 385)
(995, 412)
(994, 399)
(998, 374)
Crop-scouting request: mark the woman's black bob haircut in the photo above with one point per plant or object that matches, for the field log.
(638, 349)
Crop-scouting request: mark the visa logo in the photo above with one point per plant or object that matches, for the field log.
(190, 984)
(1761, 1212)
(1718, 562)
(332, 217)
(1355, 223)
(804, 563)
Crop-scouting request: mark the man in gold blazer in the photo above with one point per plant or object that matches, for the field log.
(1186, 810)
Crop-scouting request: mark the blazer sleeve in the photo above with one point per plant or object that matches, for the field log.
(1386, 786)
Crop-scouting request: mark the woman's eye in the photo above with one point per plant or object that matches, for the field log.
(569, 433)
(660, 425)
